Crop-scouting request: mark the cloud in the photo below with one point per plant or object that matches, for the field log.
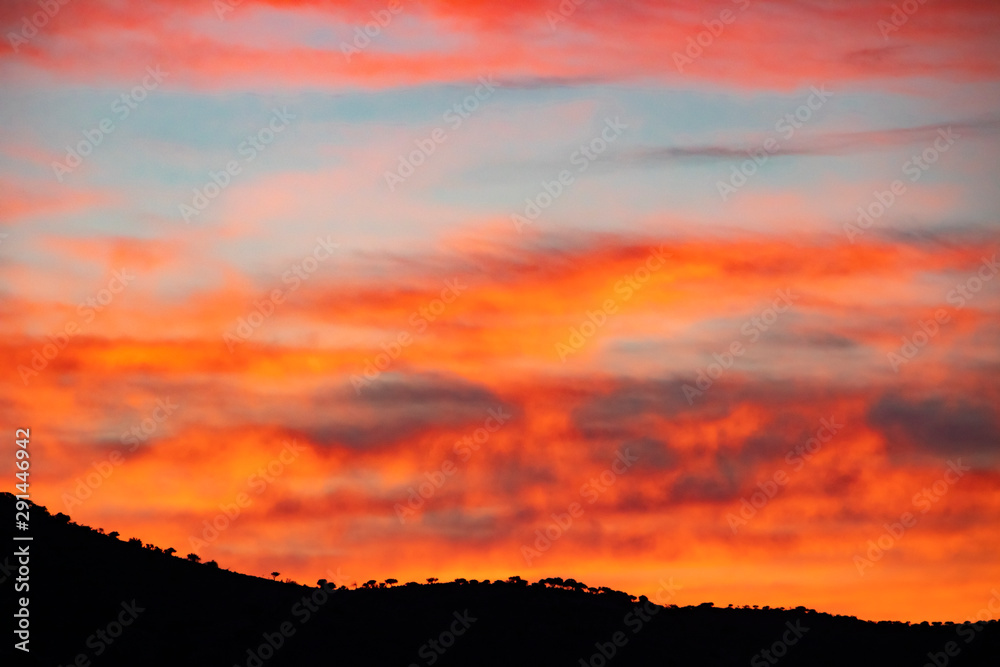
(638, 41)
(942, 426)
(397, 409)
(813, 144)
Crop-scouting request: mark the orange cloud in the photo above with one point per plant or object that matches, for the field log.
(407, 477)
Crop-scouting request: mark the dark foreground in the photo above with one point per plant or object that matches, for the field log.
(98, 600)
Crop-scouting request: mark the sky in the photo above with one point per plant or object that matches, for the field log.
(629, 292)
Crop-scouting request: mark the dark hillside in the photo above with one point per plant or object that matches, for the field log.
(177, 612)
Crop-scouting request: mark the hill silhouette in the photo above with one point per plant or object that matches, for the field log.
(99, 599)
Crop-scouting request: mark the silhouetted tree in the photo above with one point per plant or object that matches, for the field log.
(274, 575)
(170, 551)
(322, 583)
(194, 558)
(432, 580)
(212, 563)
(61, 518)
(135, 541)
(41, 508)
(390, 582)
(114, 534)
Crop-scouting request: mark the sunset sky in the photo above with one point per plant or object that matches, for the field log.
(619, 291)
